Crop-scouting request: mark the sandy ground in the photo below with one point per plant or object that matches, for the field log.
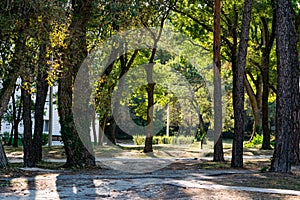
(175, 181)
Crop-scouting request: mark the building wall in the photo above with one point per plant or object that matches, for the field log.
(6, 126)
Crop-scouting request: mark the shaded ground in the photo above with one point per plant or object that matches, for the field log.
(169, 183)
(189, 174)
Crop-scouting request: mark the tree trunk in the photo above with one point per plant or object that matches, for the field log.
(295, 157)
(41, 95)
(28, 158)
(218, 144)
(268, 40)
(101, 131)
(238, 89)
(281, 161)
(94, 128)
(150, 92)
(265, 102)
(14, 116)
(3, 158)
(77, 154)
(255, 105)
(17, 122)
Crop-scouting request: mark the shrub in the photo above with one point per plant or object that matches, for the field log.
(184, 140)
(256, 140)
(140, 140)
(5, 137)
(44, 139)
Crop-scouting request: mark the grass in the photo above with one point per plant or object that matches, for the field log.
(263, 180)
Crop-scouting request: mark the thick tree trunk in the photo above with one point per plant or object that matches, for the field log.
(281, 161)
(78, 155)
(238, 89)
(295, 157)
(218, 144)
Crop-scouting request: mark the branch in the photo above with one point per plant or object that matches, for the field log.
(193, 18)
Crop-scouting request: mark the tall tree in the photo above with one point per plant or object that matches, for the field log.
(285, 44)
(77, 154)
(268, 40)
(238, 88)
(28, 158)
(41, 94)
(295, 94)
(218, 144)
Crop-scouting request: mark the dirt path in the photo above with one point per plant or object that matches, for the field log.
(167, 183)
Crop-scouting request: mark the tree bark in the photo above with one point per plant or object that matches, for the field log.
(255, 104)
(28, 158)
(150, 92)
(77, 154)
(17, 121)
(41, 95)
(3, 158)
(218, 144)
(281, 161)
(150, 89)
(238, 89)
(268, 40)
(295, 157)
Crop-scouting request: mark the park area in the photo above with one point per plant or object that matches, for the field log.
(170, 172)
(159, 99)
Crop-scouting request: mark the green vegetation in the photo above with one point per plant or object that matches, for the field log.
(184, 140)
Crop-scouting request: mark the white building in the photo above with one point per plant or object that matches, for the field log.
(7, 126)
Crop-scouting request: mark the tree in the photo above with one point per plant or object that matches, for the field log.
(285, 45)
(218, 144)
(162, 15)
(42, 37)
(238, 88)
(77, 154)
(295, 91)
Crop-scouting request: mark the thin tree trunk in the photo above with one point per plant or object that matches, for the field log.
(14, 115)
(238, 89)
(150, 91)
(41, 95)
(101, 131)
(94, 128)
(255, 105)
(281, 161)
(265, 103)
(17, 122)
(268, 40)
(218, 144)
(3, 158)
(28, 158)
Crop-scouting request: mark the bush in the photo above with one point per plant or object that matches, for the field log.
(184, 140)
(140, 140)
(6, 135)
(256, 140)
(44, 139)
